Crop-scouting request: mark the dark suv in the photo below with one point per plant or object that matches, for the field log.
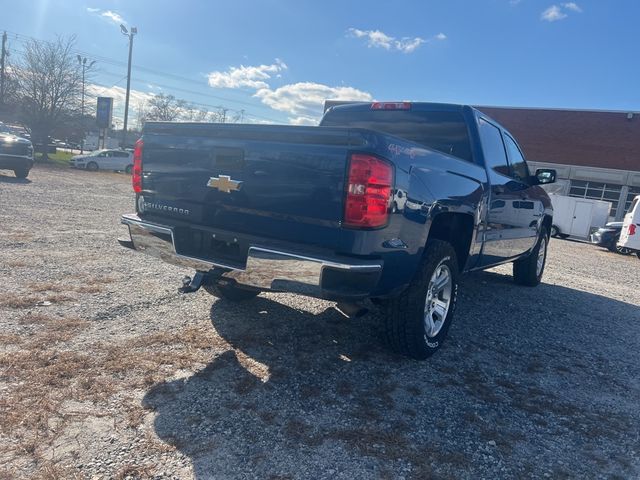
(16, 153)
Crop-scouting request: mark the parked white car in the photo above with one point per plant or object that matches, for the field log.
(630, 234)
(116, 160)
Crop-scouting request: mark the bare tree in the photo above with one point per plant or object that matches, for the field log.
(141, 114)
(164, 108)
(167, 108)
(49, 87)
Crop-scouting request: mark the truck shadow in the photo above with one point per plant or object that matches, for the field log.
(310, 394)
(10, 178)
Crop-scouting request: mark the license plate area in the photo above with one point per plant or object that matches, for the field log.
(216, 247)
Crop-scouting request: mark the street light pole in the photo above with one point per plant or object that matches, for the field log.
(124, 30)
(83, 62)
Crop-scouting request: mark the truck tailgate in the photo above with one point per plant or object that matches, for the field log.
(278, 182)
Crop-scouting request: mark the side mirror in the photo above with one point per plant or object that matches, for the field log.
(545, 176)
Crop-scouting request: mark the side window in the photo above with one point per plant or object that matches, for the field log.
(518, 164)
(495, 156)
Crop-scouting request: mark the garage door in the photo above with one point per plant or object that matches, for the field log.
(609, 192)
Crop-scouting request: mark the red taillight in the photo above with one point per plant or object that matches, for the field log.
(136, 173)
(368, 192)
(391, 106)
(632, 229)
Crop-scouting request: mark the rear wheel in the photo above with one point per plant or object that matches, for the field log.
(621, 250)
(417, 321)
(528, 270)
(21, 172)
(92, 166)
(231, 292)
(563, 235)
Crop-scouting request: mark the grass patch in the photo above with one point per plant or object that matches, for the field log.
(60, 159)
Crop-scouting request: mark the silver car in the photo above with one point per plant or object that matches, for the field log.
(115, 160)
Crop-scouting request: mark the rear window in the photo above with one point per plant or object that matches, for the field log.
(442, 131)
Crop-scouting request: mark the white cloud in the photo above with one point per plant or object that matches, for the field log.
(302, 120)
(572, 6)
(108, 15)
(304, 100)
(136, 98)
(118, 94)
(408, 45)
(555, 12)
(242, 76)
(113, 16)
(379, 39)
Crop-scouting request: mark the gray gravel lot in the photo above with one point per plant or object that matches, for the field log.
(116, 375)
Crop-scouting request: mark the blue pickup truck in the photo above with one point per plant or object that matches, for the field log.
(383, 201)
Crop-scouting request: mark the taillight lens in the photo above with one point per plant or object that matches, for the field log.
(136, 173)
(368, 192)
(632, 229)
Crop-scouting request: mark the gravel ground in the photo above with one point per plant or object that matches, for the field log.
(105, 371)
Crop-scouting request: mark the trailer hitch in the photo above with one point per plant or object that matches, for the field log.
(190, 285)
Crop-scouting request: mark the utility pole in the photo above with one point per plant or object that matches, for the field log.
(124, 31)
(2, 73)
(83, 63)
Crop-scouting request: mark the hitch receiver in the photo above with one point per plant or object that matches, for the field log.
(190, 285)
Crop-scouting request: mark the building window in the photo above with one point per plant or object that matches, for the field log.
(633, 192)
(597, 191)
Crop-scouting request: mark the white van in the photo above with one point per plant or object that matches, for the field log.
(630, 234)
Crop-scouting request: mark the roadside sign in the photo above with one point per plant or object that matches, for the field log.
(104, 111)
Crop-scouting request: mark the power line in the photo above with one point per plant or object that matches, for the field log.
(193, 92)
(110, 61)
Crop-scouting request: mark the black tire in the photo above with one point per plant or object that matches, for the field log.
(563, 235)
(128, 169)
(621, 250)
(231, 292)
(525, 270)
(92, 166)
(555, 231)
(404, 316)
(21, 172)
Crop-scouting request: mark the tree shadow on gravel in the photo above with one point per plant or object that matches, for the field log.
(530, 381)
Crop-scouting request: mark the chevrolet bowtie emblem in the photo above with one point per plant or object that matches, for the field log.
(224, 183)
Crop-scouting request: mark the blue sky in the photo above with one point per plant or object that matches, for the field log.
(278, 59)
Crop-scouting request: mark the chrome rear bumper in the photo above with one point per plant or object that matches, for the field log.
(266, 268)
